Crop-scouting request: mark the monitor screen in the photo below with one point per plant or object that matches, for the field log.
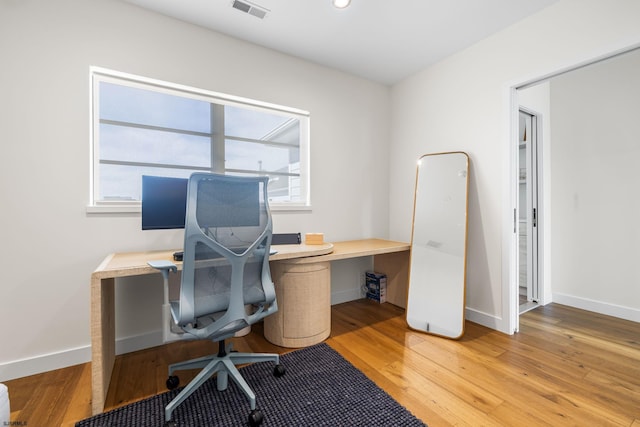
(164, 202)
(220, 204)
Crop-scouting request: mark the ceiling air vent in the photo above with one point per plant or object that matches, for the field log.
(250, 8)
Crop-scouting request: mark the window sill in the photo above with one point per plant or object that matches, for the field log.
(136, 209)
(289, 208)
(113, 209)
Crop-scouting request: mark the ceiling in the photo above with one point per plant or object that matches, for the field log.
(381, 40)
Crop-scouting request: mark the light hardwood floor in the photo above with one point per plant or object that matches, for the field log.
(565, 367)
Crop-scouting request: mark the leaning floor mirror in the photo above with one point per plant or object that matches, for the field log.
(437, 274)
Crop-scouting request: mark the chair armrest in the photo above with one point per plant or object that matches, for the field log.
(163, 266)
(170, 331)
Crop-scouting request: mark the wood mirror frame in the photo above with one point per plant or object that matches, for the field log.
(437, 269)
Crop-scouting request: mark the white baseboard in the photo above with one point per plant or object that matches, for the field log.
(74, 356)
(346, 296)
(42, 363)
(139, 342)
(489, 320)
(619, 311)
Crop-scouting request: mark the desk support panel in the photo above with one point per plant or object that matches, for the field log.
(395, 266)
(103, 352)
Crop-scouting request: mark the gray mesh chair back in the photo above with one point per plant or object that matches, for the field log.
(226, 254)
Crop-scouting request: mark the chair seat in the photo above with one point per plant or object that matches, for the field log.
(207, 304)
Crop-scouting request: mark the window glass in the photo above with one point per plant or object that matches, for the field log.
(143, 127)
(253, 124)
(147, 107)
(129, 144)
(250, 156)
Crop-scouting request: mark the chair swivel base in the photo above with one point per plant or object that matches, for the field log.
(224, 364)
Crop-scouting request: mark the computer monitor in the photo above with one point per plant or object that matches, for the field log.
(164, 202)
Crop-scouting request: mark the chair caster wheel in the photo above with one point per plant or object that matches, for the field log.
(255, 418)
(172, 383)
(279, 371)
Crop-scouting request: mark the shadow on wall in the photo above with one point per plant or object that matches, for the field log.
(479, 297)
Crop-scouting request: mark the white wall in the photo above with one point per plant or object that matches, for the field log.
(50, 245)
(595, 204)
(463, 103)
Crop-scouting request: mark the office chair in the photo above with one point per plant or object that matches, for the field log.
(226, 282)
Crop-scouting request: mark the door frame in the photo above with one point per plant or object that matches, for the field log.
(535, 193)
(511, 301)
(508, 322)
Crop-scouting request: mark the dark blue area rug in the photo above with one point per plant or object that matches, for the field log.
(320, 388)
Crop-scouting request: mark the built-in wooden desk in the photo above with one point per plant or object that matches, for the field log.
(391, 258)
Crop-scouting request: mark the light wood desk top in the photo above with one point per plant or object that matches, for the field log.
(135, 263)
(354, 249)
(300, 251)
(366, 247)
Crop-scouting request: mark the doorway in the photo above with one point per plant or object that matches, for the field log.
(527, 211)
(568, 283)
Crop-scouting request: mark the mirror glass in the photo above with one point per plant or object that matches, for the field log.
(437, 275)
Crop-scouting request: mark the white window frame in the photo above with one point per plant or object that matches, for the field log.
(98, 74)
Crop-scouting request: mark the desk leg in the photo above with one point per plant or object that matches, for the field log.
(102, 340)
(396, 266)
(303, 292)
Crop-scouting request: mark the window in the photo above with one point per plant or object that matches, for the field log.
(148, 127)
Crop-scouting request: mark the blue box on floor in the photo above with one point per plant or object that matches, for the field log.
(376, 286)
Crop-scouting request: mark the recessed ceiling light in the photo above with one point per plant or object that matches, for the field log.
(341, 4)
